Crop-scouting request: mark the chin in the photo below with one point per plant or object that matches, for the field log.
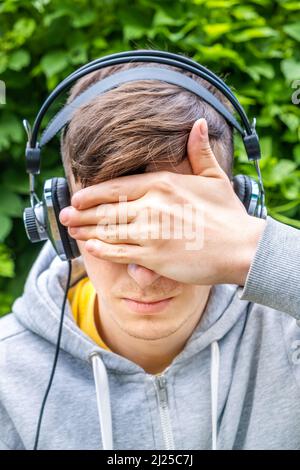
(147, 333)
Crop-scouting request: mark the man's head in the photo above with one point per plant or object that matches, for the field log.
(138, 123)
(138, 127)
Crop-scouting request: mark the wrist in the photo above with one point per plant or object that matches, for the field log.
(253, 233)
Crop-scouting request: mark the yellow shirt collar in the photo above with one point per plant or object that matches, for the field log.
(82, 297)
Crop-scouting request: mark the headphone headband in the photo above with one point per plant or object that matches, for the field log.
(250, 138)
(139, 73)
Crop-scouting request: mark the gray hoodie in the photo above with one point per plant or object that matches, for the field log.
(235, 385)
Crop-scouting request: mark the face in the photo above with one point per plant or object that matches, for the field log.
(115, 282)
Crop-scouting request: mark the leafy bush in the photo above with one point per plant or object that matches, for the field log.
(253, 44)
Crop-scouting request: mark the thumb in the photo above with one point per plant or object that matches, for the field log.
(200, 154)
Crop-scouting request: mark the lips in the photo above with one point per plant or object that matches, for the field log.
(147, 301)
(147, 307)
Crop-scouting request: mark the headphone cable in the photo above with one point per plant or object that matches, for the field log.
(55, 357)
(261, 200)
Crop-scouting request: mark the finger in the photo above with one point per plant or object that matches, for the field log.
(103, 214)
(110, 233)
(73, 217)
(123, 188)
(121, 253)
(200, 154)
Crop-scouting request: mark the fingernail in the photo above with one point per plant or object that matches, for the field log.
(64, 215)
(203, 127)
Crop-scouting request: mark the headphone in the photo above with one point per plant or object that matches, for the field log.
(41, 220)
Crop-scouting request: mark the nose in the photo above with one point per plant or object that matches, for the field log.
(144, 277)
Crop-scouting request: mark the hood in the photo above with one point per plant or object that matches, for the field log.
(39, 310)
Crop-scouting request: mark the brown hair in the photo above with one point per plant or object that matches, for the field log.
(123, 130)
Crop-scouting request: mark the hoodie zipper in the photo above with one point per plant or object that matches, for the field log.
(161, 389)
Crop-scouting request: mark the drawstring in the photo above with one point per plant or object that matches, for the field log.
(214, 389)
(103, 396)
(103, 400)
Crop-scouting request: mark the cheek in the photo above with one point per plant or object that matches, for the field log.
(192, 295)
(102, 273)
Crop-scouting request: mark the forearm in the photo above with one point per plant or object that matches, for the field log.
(273, 278)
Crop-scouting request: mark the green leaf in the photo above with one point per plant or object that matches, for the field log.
(162, 18)
(3, 62)
(11, 203)
(54, 62)
(216, 52)
(135, 22)
(288, 206)
(217, 29)
(6, 262)
(134, 32)
(263, 69)
(281, 170)
(245, 100)
(252, 33)
(244, 12)
(10, 130)
(24, 28)
(5, 226)
(290, 5)
(78, 54)
(100, 43)
(290, 187)
(84, 18)
(297, 153)
(19, 59)
(217, 3)
(15, 181)
(293, 30)
(51, 17)
(5, 303)
(290, 69)
(291, 120)
(284, 219)
(266, 144)
(40, 5)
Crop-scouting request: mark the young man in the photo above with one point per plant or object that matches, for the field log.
(203, 368)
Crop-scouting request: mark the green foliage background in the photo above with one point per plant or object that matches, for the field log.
(253, 44)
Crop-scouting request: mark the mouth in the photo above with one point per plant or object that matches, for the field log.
(151, 306)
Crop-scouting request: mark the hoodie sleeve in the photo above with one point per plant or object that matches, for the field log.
(9, 438)
(274, 275)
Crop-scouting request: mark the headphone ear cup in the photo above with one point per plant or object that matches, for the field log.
(60, 199)
(243, 188)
